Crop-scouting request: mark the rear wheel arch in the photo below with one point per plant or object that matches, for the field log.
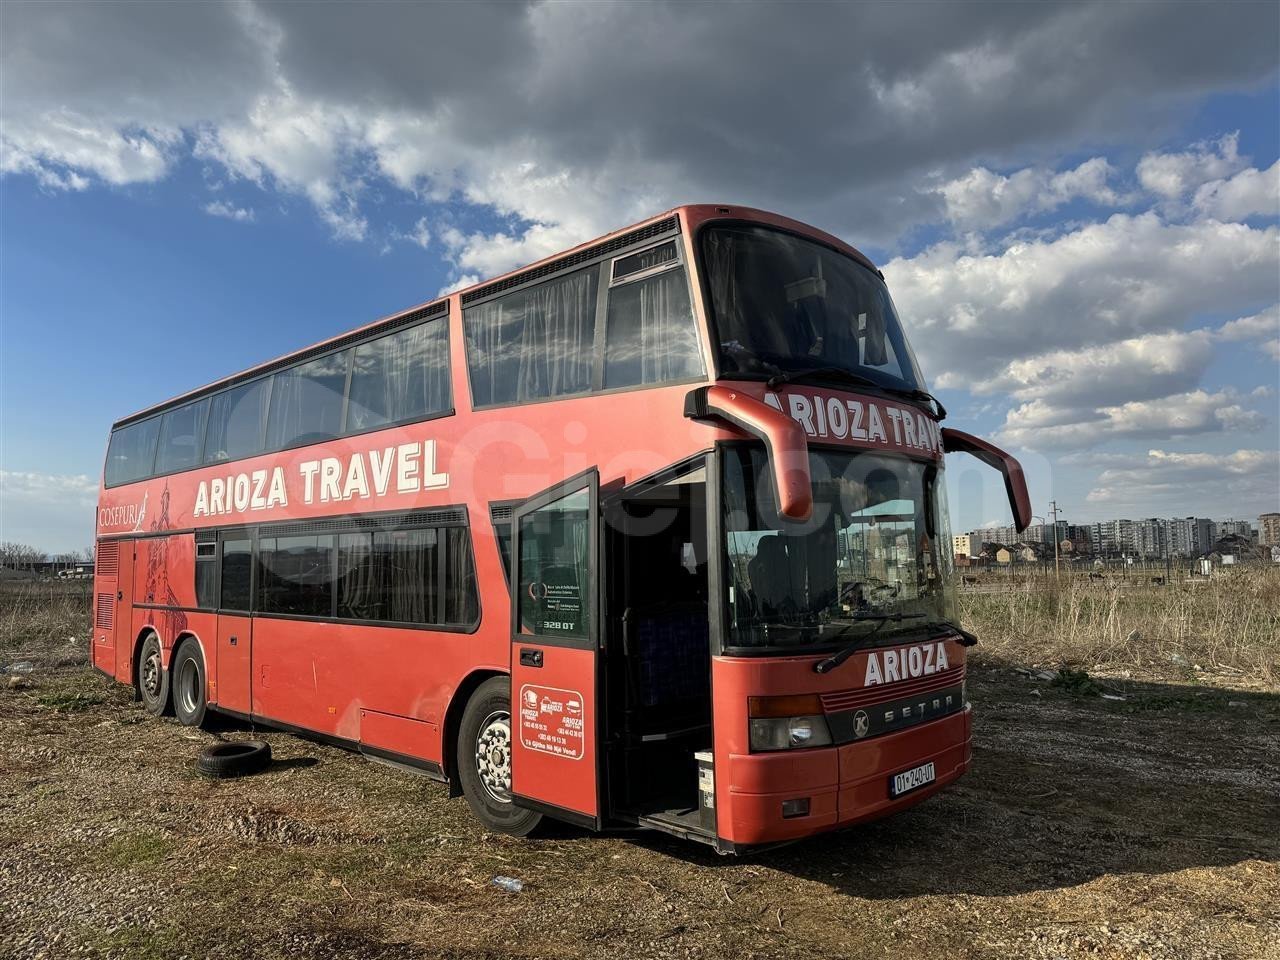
(453, 723)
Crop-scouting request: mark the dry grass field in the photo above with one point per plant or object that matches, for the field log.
(1092, 827)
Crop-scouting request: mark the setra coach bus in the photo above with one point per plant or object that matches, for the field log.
(652, 533)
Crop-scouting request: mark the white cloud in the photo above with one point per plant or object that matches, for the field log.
(1139, 368)
(52, 512)
(1163, 480)
(982, 199)
(971, 313)
(1265, 323)
(1038, 425)
(220, 208)
(1249, 193)
(1175, 175)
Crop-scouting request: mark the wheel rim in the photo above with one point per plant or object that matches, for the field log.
(493, 755)
(189, 687)
(151, 674)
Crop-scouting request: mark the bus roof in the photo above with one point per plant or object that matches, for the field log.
(692, 215)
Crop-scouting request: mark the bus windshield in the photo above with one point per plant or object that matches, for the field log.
(783, 304)
(873, 560)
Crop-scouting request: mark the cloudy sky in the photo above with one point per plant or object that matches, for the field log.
(1075, 206)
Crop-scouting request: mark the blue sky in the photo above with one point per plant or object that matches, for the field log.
(1075, 206)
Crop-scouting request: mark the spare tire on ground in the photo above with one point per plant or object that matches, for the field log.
(234, 758)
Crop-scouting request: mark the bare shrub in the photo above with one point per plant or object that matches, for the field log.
(45, 621)
(1229, 622)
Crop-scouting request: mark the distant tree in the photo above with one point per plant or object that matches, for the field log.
(20, 556)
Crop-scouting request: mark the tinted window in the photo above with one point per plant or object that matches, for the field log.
(534, 343)
(306, 401)
(503, 533)
(553, 595)
(235, 422)
(783, 302)
(206, 575)
(407, 576)
(400, 377)
(645, 260)
(237, 570)
(295, 575)
(132, 451)
(651, 337)
(181, 432)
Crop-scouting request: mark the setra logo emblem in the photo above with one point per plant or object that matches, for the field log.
(921, 660)
(861, 724)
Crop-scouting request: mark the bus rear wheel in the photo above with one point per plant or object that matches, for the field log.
(153, 679)
(188, 685)
(484, 760)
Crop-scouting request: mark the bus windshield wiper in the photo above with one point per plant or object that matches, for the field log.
(839, 657)
(967, 639)
(835, 373)
(915, 393)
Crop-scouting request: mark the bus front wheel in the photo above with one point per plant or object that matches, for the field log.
(484, 760)
(153, 678)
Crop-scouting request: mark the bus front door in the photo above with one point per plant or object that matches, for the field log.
(554, 649)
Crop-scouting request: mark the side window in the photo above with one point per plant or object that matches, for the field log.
(181, 433)
(306, 401)
(132, 451)
(502, 530)
(207, 575)
(424, 577)
(236, 418)
(553, 596)
(237, 571)
(400, 377)
(650, 335)
(295, 575)
(534, 343)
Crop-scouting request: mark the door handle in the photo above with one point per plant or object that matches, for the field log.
(233, 641)
(119, 594)
(530, 657)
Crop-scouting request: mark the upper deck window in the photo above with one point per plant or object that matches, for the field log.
(181, 433)
(650, 333)
(535, 343)
(783, 303)
(565, 336)
(132, 452)
(306, 401)
(400, 377)
(236, 422)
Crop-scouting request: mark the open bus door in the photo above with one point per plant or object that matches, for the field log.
(555, 697)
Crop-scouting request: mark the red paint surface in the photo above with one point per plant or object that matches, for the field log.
(845, 783)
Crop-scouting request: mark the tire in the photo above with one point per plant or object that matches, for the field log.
(484, 760)
(234, 758)
(153, 678)
(188, 685)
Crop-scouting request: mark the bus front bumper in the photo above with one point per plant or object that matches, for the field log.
(844, 785)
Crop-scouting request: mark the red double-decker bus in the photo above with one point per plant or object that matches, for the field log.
(650, 533)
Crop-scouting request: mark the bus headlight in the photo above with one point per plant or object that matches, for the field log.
(787, 723)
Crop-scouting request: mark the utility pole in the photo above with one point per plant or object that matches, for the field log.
(1054, 513)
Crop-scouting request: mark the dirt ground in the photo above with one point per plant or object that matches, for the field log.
(1088, 827)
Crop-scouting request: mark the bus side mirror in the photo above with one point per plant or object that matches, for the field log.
(1015, 481)
(785, 441)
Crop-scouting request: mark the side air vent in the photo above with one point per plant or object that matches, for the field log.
(417, 519)
(104, 616)
(369, 333)
(651, 232)
(501, 514)
(108, 558)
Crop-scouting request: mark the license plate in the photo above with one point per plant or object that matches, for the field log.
(912, 779)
